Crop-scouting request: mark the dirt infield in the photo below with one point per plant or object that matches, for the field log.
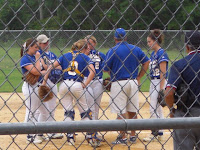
(12, 109)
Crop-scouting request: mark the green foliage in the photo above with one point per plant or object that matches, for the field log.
(104, 14)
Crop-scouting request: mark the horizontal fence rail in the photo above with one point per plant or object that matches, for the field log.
(99, 125)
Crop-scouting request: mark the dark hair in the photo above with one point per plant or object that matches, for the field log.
(156, 35)
(29, 43)
(192, 39)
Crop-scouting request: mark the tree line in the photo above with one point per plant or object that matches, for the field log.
(99, 15)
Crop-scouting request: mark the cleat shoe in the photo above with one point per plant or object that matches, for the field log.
(133, 139)
(150, 138)
(43, 138)
(120, 140)
(153, 138)
(30, 139)
(36, 140)
(100, 137)
(71, 138)
(55, 136)
(93, 140)
(160, 136)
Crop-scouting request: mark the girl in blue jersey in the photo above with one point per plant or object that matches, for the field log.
(75, 65)
(49, 58)
(31, 62)
(95, 90)
(158, 74)
(96, 86)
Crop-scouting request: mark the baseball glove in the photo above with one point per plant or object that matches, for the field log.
(182, 95)
(161, 98)
(30, 78)
(45, 93)
(56, 75)
(107, 84)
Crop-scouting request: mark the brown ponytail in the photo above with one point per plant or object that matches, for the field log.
(29, 43)
(156, 36)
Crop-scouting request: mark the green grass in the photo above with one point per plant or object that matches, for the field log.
(10, 71)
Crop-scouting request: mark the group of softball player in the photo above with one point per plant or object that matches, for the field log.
(83, 67)
(79, 66)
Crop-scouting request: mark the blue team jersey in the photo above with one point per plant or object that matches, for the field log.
(49, 57)
(98, 59)
(186, 70)
(81, 63)
(25, 61)
(123, 61)
(154, 65)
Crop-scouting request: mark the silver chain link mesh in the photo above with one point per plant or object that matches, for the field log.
(65, 22)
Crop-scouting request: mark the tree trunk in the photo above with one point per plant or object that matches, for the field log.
(41, 9)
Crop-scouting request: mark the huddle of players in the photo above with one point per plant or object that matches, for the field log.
(89, 63)
(86, 70)
(82, 68)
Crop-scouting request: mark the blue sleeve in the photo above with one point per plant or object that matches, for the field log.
(163, 57)
(60, 59)
(108, 60)
(103, 56)
(174, 76)
(143, 57)
(88, 60)
(25, 61)
(54, 55)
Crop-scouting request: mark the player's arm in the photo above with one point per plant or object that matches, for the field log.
(43, 64)
(143, 70)
(54, 65)
(35, 69)
(163, 66)
(173, 81)
(108, 61)
(91, 75)
(169, 99)
(59, 67)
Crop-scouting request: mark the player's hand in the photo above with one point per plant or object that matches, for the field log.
(138, 79)
(37, 55)
(139, 86)
(172, 113)
(83, 85)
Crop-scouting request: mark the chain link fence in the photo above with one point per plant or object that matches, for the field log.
(59, 131)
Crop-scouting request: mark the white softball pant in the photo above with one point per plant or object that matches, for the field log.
(51, 104)
(94, 93)
(70, 90)
(124, 96)
(155, 108)
(33, 103)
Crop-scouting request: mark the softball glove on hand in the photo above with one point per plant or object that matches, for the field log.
(107, 84)
(45, 93)
(161, 99)
(56, 75)
(30, 78)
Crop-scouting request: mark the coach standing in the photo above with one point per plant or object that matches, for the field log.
(122, 62)
(186, 71)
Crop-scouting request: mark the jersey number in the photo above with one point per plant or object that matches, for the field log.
(75, 66)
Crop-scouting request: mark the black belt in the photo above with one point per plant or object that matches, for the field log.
(74, 80)
(124, 79)
(153, 78)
